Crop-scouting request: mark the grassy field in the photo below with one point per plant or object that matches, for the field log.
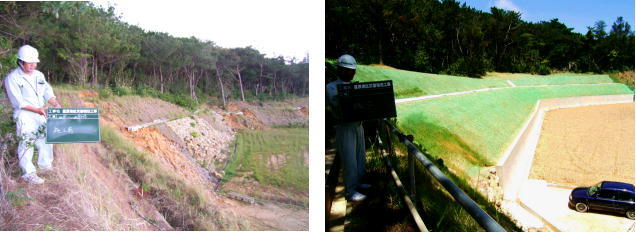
(275, 157)
(472, 131)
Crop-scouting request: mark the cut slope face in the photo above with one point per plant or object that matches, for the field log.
(158, 178)
(583, 146)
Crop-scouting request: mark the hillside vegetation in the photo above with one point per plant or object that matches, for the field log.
(87, 46)
(453, 37)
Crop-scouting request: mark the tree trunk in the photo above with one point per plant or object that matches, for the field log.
(94, 81)
(260, 77)
(161, 78)
(191, 83)
(218, 75)
(238, 73)
(273, 89)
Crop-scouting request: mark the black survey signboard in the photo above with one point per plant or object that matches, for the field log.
(72, 125)
(366, 100)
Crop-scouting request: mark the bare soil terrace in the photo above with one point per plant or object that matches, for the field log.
(585, 145)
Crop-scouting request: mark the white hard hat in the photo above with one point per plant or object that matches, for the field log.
(347, 61)
(27, 53)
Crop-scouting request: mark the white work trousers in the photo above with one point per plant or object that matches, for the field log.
(28, 124)
(350, 147)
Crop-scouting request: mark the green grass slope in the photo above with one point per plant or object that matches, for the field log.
(254, 155)
(563, 79)
(413, 84)
(473, 130)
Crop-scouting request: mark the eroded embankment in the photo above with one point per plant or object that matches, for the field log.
(157, 178)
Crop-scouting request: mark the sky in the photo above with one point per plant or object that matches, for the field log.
(272, 27)
(577, 14)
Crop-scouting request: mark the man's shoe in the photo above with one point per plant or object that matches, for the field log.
(33, 178)
(364, 186)
(46, 169)
(355, 197)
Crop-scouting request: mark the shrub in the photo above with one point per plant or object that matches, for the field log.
(145, 91)
(542, 69)
(122, 90)
(469, 66)
(105, 93)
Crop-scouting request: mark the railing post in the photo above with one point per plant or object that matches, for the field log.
(388, 139)
(412, 173)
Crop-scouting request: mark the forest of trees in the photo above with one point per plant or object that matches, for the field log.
(448, 37)
(85, 45)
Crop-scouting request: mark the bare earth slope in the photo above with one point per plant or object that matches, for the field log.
(86, 191)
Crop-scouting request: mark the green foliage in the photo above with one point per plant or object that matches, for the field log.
(469, 67)
(18, 198)
(194, 134)
(105, 93)
(273, 157)
(446, 36)
(87, 46)
(122, 90)
(626, 77)
(181, 100)
(7, 124)
(542, 69)
(458, 130)
(48, 227)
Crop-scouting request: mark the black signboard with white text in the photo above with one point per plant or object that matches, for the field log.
(366, 100)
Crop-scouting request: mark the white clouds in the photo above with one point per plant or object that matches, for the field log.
(507, 5)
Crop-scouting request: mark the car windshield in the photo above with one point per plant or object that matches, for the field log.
(594, 189)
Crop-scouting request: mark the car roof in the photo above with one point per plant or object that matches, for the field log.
(617, 186)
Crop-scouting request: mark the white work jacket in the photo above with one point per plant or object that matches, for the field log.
(24, 90)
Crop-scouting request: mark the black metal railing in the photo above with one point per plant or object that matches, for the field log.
(480, 216)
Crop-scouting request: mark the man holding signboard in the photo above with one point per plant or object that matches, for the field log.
(29, 92)
(349, 135)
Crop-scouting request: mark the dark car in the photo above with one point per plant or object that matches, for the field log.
(606, 196)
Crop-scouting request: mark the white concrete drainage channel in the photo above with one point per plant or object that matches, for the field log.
(514, 167)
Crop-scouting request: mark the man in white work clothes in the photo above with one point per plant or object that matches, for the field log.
(349, 135)
(29, 92)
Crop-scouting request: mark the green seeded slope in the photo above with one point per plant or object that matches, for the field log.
(553, 79)
(256, 148)
(473, 130)
(413, 84)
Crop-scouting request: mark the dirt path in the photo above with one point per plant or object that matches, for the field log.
(585, 145)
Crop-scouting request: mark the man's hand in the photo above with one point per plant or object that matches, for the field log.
(41, 111)
(53, 101)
